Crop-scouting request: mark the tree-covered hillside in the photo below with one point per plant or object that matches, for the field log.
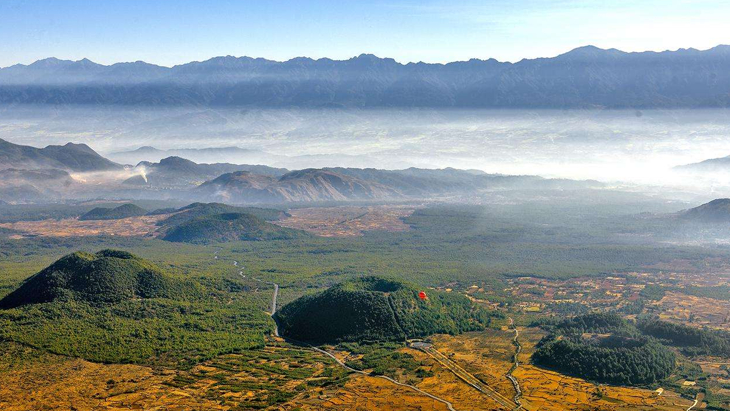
(196, 210)
(605, 348)
(123, 211)
(377, 309)
(105, 277)
(229, 227)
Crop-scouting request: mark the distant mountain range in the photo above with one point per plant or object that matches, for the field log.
(180, 172)
(582, 78)
(199, 155)
(357, 184)
(713, 165)
(29, 174)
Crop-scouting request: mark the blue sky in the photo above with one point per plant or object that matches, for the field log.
(171, 32)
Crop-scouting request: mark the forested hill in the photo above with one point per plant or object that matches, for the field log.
(378, 309)
(108, 276)
(582, 78)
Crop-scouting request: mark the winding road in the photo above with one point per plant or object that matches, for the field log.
(467, 377)
(518, 350)
(274, 299)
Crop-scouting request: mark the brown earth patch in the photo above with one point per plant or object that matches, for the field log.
(72, 227)
(348, 221)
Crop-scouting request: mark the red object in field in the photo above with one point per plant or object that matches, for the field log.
(422, 295)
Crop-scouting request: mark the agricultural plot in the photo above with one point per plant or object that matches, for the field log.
(348, 221)
(73, 227)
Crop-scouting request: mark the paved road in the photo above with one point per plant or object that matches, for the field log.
(274, 298)
(342, 364)
(518, 350)
(337, 360)
(468, 378)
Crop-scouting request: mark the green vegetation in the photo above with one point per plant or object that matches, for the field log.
(164, 332)
(378, 309)
(155, 331)
(197, 210)
(613, 352)
(613, 359)
(719, 292)
(105, 277)
(229, 227)
(693, 341)
(123, 211)
(115, 307)
(385, 359)
(449, 246)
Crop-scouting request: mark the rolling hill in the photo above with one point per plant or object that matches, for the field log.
(229, 227)
(586, 77)
(123, 211)
(105, 277)
(377, 309)
(197, 210)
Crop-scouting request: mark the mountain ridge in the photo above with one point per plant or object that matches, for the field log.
(585, 77)
(68, 157)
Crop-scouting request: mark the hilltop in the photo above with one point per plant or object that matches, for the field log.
(108, 276)
(377, 309)
(229, 227)
(715, 211)
(196, 210)
(123, 211)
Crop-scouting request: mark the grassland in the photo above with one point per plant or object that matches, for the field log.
(478, 251)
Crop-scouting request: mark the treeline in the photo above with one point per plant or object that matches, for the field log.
(623, 361)
(693, 341)
(376, 309)
(614, 353)
(593, 323)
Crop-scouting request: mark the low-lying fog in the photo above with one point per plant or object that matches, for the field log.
(607, 145)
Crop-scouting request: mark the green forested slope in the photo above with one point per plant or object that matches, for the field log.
(376, 309)
(229, 227)
(105, 277)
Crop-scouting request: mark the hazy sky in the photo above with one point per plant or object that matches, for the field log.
(169, 32)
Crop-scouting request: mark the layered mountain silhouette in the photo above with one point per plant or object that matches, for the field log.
(297, 186)
(70, 157)
(712, 165)
(47, 175)
(235, 155)
(179, 172)
(582, 78)
(356, 184)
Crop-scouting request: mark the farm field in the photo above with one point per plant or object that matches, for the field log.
(73, 227)
(348, 221)
(487, 355)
